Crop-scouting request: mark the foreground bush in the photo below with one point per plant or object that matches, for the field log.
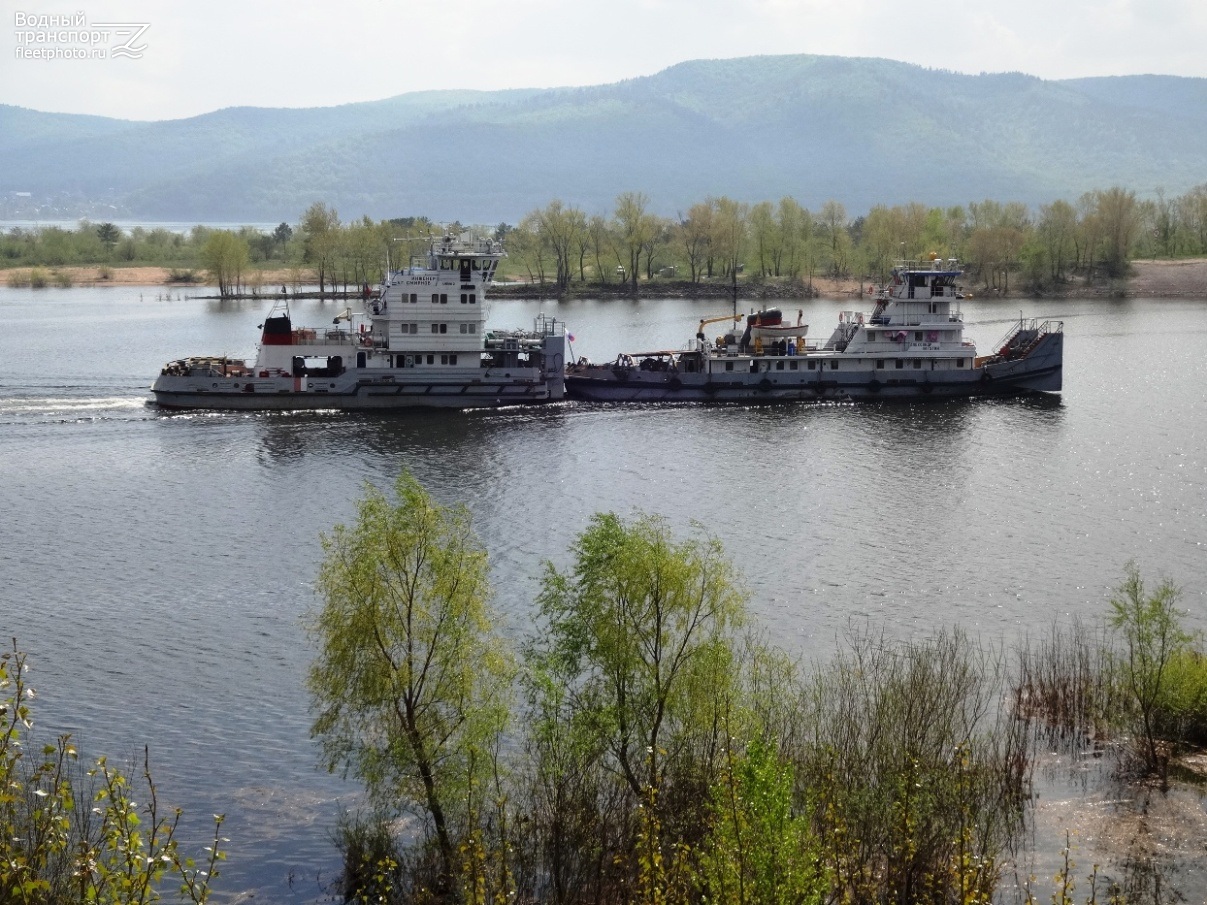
(75, 835)
(663, 754)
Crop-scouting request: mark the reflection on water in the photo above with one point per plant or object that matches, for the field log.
(158, 567)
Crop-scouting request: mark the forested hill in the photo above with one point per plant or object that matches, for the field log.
(860, 131)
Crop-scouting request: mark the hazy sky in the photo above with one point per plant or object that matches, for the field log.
(201, 55)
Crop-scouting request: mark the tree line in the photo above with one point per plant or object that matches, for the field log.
(1094, 238)
(717, 239)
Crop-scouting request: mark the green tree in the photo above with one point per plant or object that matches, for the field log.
(694, 234)
(1118, 216)
(282, 234)
(563, 229)
(631, 228)
(225, 256)
(1152, 638)
(109, 235)
(320, 231)
(759, 851)
(636, 623)
(70, 835)
(410, 681)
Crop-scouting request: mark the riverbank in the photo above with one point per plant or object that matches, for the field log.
(1182, 278)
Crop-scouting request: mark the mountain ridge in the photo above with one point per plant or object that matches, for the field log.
(861, 131)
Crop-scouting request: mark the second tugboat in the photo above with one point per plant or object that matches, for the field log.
(911, 346)
(421, 342)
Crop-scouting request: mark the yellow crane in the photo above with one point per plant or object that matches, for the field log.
(716, 320)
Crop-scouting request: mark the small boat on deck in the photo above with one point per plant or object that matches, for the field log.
(910, 346)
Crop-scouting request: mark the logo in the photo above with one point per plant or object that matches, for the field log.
(73, 37)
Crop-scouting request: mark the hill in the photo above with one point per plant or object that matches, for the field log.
(860, 131)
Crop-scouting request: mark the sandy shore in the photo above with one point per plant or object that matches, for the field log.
(1184, 278)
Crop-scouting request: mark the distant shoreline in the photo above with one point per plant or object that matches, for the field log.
(1180, 278)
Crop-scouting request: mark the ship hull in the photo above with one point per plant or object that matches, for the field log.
(1039, 372)
(353, 392)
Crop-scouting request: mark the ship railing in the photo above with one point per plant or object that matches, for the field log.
(547, 325)
(311, 337)
(1023, 336)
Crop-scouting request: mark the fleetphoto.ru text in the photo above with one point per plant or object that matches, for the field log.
(73, 37)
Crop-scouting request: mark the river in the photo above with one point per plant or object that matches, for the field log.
(157, 567)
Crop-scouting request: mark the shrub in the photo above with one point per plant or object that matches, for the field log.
(74, 835)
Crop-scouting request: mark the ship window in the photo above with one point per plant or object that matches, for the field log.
(443, 299)
(444, 328)
(917, 363)
(464, 328)
(435, 328)
(918, 337)
(959, 362)
(473, 328)
(729, 366)
(779, 366)
(833, 366)
(900, 364)
(435, 299)
(812, 366)
(880, 364)
(464, 298)
(414, 298)
(431, 359)
(792, 366)
(473, 298)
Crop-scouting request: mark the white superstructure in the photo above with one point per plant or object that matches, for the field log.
(420, 341)
(911, 345)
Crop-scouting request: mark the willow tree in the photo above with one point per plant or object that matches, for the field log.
(642, 630)
(410, 682)
(225, 256)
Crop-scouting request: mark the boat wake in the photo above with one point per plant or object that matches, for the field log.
(41, 409)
